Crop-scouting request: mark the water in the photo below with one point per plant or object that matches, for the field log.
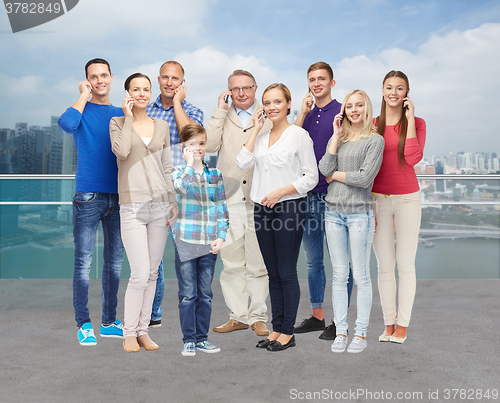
(460, 258)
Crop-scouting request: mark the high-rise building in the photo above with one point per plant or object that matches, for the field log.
(56, 147)
(69, 155)
(496, 164)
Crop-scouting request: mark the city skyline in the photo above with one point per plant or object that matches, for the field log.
(449, 50)
(36, 149)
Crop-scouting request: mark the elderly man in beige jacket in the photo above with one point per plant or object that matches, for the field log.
(244, 276)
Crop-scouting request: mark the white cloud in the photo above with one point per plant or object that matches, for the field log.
(454, 84)
(97, 24)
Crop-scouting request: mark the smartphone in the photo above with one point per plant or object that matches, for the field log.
(342, 119)
(131, 105)
(226, 99)
(405, 107)
(263, 116)
(89, 88)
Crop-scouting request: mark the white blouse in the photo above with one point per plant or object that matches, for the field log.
(147, 140)
(290, 160)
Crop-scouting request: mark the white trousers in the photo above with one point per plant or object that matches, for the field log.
(398, 214)
(144, 234)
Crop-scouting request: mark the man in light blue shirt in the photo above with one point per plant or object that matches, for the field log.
(243, 280)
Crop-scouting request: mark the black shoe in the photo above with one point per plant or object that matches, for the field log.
(329, 333)
(264, 343)
(310, 325)
(277, 346)
(155, 323)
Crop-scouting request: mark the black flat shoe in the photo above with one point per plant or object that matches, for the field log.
(277, 346)
(264, 343)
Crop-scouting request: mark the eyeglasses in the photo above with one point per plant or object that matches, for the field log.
(246, 90)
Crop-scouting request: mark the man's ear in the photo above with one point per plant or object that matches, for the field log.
(332, 83)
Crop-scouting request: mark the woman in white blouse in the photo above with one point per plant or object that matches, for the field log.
(284, 171)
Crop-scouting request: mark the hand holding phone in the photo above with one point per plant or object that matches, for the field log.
(263, 116)
(131, 104)
(404, 100)
(342, 119)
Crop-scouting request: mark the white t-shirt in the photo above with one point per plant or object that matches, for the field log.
(147, 140)
(290, 160)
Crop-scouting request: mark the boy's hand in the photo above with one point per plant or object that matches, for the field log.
(216, 245)
(173, 215)
(188, 156)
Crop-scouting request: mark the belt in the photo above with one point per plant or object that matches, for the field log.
(383, 195)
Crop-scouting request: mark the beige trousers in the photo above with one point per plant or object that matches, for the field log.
(244, 276)
(398, 214)
(144, 234)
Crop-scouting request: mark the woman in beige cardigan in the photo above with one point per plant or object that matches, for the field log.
(147, 203)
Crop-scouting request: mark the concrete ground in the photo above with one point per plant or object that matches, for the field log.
(451, 354)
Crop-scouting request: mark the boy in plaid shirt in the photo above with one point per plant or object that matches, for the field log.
(199, 232)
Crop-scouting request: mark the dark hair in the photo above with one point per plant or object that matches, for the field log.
(284, 89)
(191, 130)
(321, 66)
(403, 122)
(131, 77)
(96, 61)
(173, 62)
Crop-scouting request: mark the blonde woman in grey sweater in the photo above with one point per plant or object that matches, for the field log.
(351, 162)
(147, 203)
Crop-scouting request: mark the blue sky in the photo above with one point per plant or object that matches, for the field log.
(449, 49)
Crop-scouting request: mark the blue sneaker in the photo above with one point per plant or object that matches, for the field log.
(206, 347)
(114, 329)
(189, 349)
(86, 335)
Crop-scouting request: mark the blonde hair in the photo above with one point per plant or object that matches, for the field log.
(240, 73)
(368, 127)
(283, 88)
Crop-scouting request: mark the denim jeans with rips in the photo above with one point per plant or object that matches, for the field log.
(352, 231)
(88, 210)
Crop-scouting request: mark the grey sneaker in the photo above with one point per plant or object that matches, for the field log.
(339, 344)
(357, 345)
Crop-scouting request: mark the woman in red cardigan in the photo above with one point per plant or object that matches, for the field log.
(397, 204)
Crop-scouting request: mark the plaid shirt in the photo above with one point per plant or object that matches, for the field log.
(203, 216)
(157, 110)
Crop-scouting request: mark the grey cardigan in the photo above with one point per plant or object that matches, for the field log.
(143, 171)
(361, 161)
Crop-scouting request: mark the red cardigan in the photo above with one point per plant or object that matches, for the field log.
(391, 179)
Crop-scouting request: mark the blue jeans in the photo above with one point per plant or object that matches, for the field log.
(356, 230)
(160, 290)
(279, 233)
(88, 210)
(312, 242)
(195, 277)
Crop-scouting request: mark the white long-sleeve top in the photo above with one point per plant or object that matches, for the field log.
(290, 160)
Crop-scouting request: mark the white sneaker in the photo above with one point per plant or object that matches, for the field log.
(357, 345)
(339, 344)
